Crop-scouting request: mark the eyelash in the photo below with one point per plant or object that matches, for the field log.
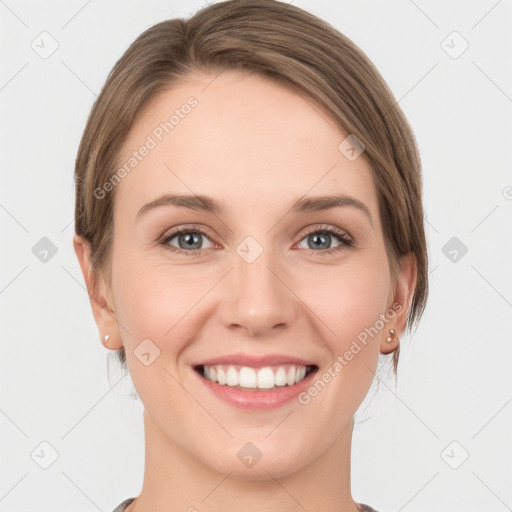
(342, 236)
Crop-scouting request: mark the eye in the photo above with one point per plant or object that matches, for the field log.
(321, 238)
(189, 240)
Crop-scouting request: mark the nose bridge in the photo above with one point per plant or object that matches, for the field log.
(256, 297)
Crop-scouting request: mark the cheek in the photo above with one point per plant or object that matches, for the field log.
(160, 301)
(350, 298)
(156, 302)
(349, 302)
(153, 300)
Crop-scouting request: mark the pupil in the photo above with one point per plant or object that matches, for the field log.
(325, 237)
(190, 239)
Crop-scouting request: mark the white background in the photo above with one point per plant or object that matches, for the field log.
(455, 372)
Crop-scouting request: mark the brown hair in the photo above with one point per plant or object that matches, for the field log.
(284, 43)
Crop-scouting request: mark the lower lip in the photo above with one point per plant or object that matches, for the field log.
(257, 400)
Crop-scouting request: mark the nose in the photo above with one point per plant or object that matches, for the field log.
(257, 297)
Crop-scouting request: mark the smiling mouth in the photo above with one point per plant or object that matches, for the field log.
(247, 378)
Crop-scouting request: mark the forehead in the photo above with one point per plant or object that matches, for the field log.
(243, 139)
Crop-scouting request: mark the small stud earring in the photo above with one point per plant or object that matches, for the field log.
(106, 338)
(393, 336)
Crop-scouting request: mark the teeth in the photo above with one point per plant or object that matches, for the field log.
(266, 379)
(221, 376)
(247, 377)
(290, 376)
(300, 374)
(280, 377)
(263, 378)
(232, 377)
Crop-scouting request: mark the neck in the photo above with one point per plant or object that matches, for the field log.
(174, 481)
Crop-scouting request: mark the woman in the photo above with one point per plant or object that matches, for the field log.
(249, 224)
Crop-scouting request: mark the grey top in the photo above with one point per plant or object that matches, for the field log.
(122, 507)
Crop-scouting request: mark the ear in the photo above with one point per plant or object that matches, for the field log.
(402, 297)
(104, 315)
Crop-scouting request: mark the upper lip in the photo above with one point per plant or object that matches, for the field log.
(255, 361)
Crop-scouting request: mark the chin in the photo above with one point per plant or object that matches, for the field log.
(246, 462)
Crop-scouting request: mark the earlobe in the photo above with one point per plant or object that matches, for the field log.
(104, 316)
(402, 299)
(391, 343)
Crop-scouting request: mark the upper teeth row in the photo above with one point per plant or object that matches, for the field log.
(247, 377)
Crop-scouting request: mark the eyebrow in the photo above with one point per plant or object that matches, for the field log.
(210, 205)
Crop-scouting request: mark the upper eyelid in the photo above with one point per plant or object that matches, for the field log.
(206, 232)
(332, 229)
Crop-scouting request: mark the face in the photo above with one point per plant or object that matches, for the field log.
(269, 294)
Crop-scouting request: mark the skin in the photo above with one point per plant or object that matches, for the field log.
(255, 146)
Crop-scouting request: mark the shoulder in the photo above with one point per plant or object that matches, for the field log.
(122, 506)
(364, 508)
